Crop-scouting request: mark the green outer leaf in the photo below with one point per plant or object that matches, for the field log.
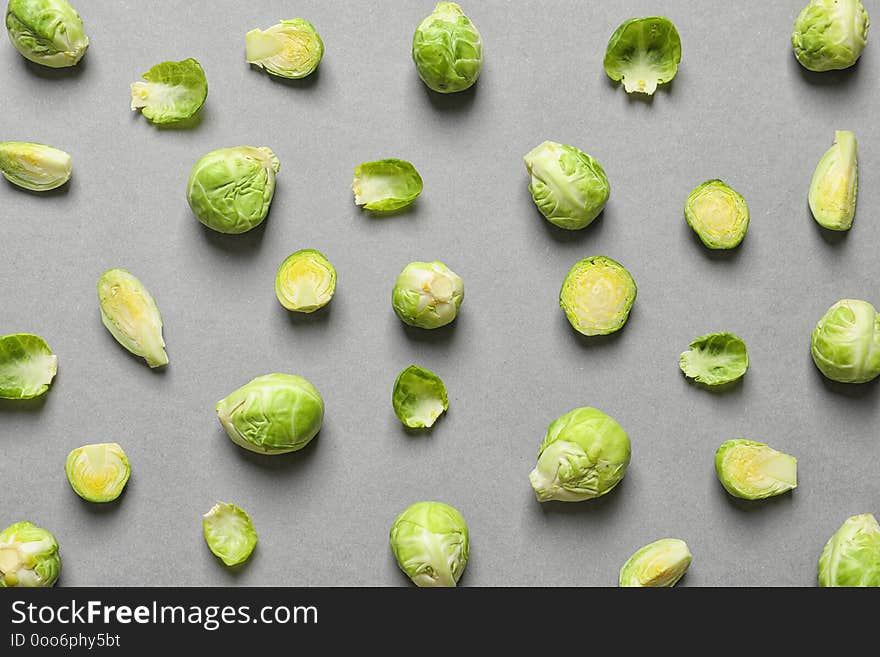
(104, 462)
(734, 207)
(34, 166)
(715, 359)
(739, 463)
(291, 49)
(28, 556)
(642, 53)
(229, 533)
(430, 542)
(447, 50)
(298, 294)
(427, 295)
(130, 313)
(834, 189)
(851, 557)
(173, 91)
(386, 185)
(47, 32)
(27, 366)
(830, 34)
(658, 564)
(419, 397)
(580, 307)
(845, 344)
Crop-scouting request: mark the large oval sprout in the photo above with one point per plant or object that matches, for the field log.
(427, 294)
(130, 313)
(715, 359)
(447, 49)
(27, 366)
(718, 214)
(597, 295)
(229, 533)
(429, 540)
(830, 34)
(642, 53)
(291, 49)
(28, 556)
(34, 166)
(658, 564)
(754, 471)
(386, 185)
(419, 397)
(48, 32)
(835, 185)
(99, 472)
(173, 91)
(846, 342)
(851, 557)
(305, 281)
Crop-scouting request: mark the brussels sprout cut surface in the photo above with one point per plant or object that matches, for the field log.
(846, 342)
(291, 49)
(718, 214)
(34, 166)
(305, 281)
(715, 359)
(131, 315)
(48, 32)
(447, 49)
(658, 564)
(98, 473)
(27, 366)
(568, 186)
(835, 185)
(830, 34)
(597, 295)
(754, 471)
(173, 91)
(419, 397)
(229, 533)
(430, 542)
(642, 53)
(852, 556)
(584, 455)
(386, 185)
(427, 294)
(28, 556)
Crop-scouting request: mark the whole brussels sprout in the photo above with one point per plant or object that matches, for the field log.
(846, 342)
(447, 49)
(28, 556)
(427, 294)
(658, 564)
(48, 32)
(830, 34)
(642, 53)
(36, 167)
(430, 543)
(851, 557)
(835, 185)
(27, 366)
(291, 49)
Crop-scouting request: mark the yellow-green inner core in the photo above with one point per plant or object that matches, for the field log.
(599, 296)
(716, 213)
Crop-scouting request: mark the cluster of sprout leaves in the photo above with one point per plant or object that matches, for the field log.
(386, 185)
(291, 49)
(658, 564)
(429, 540)
(427, 294)
(754, 471)
(419, 397)
(643, 53)
(447, 49)
(845, 344)
(584, 455)
(229, 533)
(48, 32)
(830, 34)
(230, 189)
(305, 281)
(835, 185)
(130, 313)
(597, 295)
(173, 91)
(851, 557)
(27, 366)
(36, 167)
(718, 214)
(715, 359)
(28, 556)
(99, 472)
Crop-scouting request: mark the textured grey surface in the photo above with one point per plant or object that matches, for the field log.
(741, 109)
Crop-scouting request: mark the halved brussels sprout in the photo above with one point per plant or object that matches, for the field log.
(291, 49)
(427, 294)
(584, 455)
(34, 166)
(715, 359)
(173, 91)
(447, 49)
(386, 185)
(48, 32)
(28, 556)
(27, 366)
(642, 53)
(846, 342)
(658, 564)
(230, 189)
(305, 281)
(835, 186)
(754, 471)
(568, 186)
(851, 557)
(419, 397)
(272, 414)
(430, 543)
(130, 313)
(229, 533)
(597, 295)
(718, 214)
(830, 34)
(99, 472)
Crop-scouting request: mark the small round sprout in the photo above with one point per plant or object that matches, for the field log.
(230, 189)
(291, 49)
(658, 564)
(28, 556)
(835, 185)
(597, 295)
(715, 359)
(447, 49)
(229, 533)
(36, 167)
(99, 472)
(305, 281)
(430, 543)
(584, 455)
(419, 397)
(173, 91)
(846, 342)
(27, 366)
(48, 32)
(642, 53)
(718, 214)
(130, 313)
(830, 34)
(754, 471)
(851, 557)
(386, 185)
(427, 294)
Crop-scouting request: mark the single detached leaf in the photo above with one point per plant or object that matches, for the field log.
(419, 397)
(715, 359)
(229, 533)
(642, 53)
(386, 185)
(173, 91)
(27, 366)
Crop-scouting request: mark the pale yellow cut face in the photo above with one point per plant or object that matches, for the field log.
(754, 471)
(99, 472)
(305, 281)
(597, 295)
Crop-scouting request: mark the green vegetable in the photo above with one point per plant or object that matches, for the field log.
(658, 564)
(173, 91)
(597, 295)
(846, 342)
(28, 556)
(386, 185)
(419, 397)
(291, 49)
(273, 414)
(34, 166)
(642, 53)
(430, 542)
(48, 32)
(131, 315)
(230, 189)
(305, 281)
(584, 455)
(427, 294)
(98, 473)
(568, 186)
(718, 214)
(447, 49)
(754, 471)
(852, 555)
(27, 366)
(715, 359)
(229, 533)
(830, 34)
(835, 185)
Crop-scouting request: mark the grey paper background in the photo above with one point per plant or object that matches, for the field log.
(741, 109)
